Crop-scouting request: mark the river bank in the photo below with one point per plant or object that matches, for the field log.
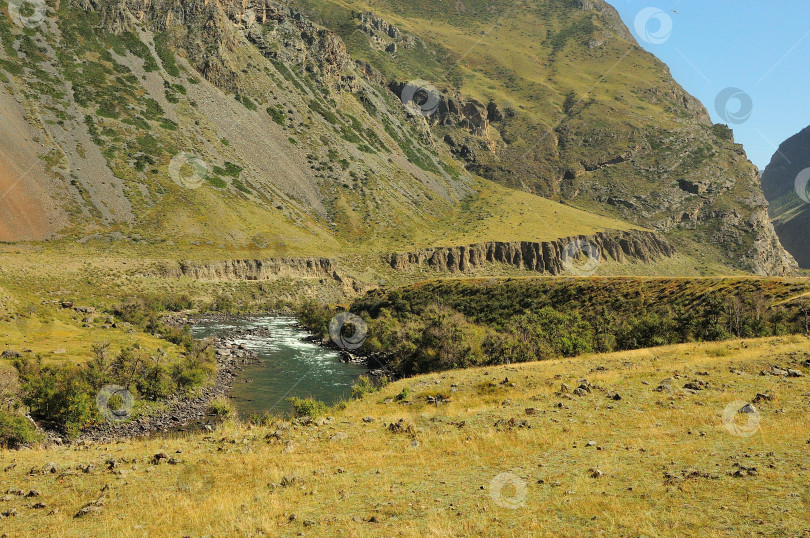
(179, 413)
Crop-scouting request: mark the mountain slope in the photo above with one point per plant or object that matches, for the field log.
(786, 189)
(246, 126)
(570, 107)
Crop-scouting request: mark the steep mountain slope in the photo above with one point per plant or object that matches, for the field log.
(786, 187)
(556, 97)
(246, 126)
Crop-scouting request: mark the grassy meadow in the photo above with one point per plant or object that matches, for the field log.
(505, 452)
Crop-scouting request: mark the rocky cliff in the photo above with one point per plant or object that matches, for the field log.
(266, 269)
(785, 183)
(544, 257)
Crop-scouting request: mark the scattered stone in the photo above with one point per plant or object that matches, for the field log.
(743, 471)
(773, 370)
(664, 385)
(11, 354)
(401, 427)
(368, 419)
(531, 411)
(696, 385)
(11, 512)
(157, 458)
(33, 493)
(762, 398)
(339, 436)
(512, 423)
(289, 448)
(66, 304)
(91, 508)
(590, 443)
(288, 480)
(748, 408)
(584, 386)
(565, 388)
(672, 477)
(794, 373)
(38, 506)
(595, 473)
(614, 396)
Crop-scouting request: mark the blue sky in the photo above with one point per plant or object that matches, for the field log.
(761, 47)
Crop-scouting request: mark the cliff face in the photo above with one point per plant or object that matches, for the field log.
(543, 257)
(267, 269)
(787, 191)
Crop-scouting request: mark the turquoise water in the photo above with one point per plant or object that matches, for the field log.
(291, 367)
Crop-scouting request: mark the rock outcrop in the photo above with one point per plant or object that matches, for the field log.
(787, 191)
(543, 257)
(265, 269)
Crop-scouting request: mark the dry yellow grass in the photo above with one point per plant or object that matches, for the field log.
(442, 480)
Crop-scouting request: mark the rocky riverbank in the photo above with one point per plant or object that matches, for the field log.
(376, 362)
(179, 413)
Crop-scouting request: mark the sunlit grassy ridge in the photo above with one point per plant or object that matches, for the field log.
(668, 465)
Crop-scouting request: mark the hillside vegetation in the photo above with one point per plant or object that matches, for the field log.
(448, 324)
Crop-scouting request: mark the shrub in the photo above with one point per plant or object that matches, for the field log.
(220, 407)
(307, 407)
(367, 385)
(58, 393)
(16, 430)
(277, 114)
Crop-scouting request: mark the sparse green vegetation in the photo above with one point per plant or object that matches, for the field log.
(165, 54)
(307, 407)
(277, 114)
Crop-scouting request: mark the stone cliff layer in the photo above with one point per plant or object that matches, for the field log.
(543, 257)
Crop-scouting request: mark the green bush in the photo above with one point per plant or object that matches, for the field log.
(64, 395)
(16, 430)
(307, 407)
(367, 385)
(58, 393)
(220, 407)
(277, 114)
